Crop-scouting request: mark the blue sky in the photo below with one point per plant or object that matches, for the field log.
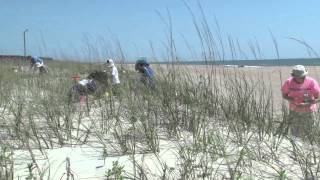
(83, 29)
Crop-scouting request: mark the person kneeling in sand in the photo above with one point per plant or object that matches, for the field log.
(81, 89)
(302, 92)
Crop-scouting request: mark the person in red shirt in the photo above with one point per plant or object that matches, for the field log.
(302, 92)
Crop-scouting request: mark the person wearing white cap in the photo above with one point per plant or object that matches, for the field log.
(302, 92)
(114, 71)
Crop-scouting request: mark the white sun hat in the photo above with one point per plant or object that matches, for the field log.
(110, 63)
(299, 71)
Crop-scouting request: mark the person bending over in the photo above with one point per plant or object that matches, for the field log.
(302, 93)
(147, 74)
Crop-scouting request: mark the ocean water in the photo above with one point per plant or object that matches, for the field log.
(267, 62)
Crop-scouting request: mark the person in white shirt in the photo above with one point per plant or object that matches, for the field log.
(112, 69)
(114, 72)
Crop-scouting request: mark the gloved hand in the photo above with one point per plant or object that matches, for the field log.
(304, 104)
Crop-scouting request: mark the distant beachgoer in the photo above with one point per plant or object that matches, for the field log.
(302, 92)
(89, 84)
(114, 72)
(36, 63)
(147, 74)
(82, 88)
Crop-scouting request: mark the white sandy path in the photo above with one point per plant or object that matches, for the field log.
(87, 162)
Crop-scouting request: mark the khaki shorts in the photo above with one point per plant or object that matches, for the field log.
(302, 124)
